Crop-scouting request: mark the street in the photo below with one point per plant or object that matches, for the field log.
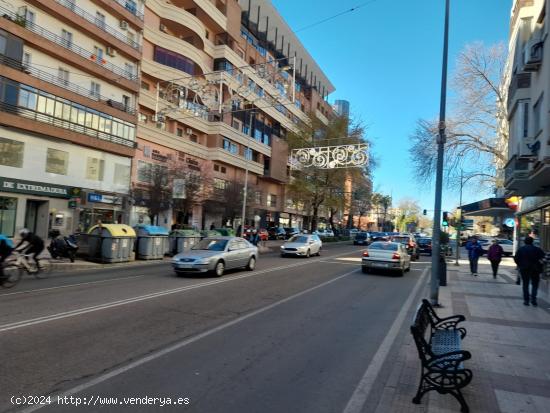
(295, 335)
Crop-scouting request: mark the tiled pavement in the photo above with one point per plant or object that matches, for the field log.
(509, 342)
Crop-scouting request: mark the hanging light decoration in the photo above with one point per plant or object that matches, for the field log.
(330, 157)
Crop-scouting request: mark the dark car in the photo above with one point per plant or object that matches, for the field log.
(362, 238)
(424, 246)
(276, 233)
(290, 232)
(410, 243)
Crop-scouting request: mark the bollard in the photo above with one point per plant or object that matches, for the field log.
(442, 270)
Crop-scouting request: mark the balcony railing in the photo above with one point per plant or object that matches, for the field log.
(55, 80)
(67, 44)
(70, 4)
(131, 6)
(519, 81)
(64, 124)
(516, 169)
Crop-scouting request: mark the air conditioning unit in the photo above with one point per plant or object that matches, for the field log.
(532, 57)
(189, 131)
(162, 28)
(124, 25)
(111, 51)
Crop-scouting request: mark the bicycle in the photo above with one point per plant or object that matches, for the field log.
(17, 263)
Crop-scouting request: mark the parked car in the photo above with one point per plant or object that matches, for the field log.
(353, 232)
(410, 244)
(424, 246)
(506, 244)
(276, 233)
(302, 245)
(389, 256)
(324, 232)
(216, 254)
(362, 238)
(290, 232)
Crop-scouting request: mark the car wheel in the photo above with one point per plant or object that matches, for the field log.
(283, 255)
(251, 264)
(219, 268)
(401, 272)
(365, 270)
(319, 252)
(308, 254)
(179, 274)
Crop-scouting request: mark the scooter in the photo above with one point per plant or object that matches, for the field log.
(62, 246)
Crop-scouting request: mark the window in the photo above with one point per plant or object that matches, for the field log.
(144, 171)
(122, 174)
(8, 210)
(131, 6)
(94, 169)
(179, 132)
(248, 154)
(63, 76)
(129, 68)
(95, 89)
(3, 44)
(258, 197)
(100, 20)
(236, 124)
(174, 60)
(144, 85)
(57, 161)
(536, 116)
(194, 138)
(27, 59)
(220, 184)
(126, 101)
(230, 147)
(130, 38)
(271, 200)
(216, 167)
(67, 38)
(98, 54)
(223, 169)
(520, 121)
(11, 153)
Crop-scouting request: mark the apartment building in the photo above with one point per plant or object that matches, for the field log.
(527, 173)
(222, 83)
(68, 95)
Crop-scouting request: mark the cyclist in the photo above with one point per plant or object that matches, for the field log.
(6, 247)
(33, 244)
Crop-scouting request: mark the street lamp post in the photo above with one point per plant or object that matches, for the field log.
(459, 227)
(245, 190)
(434, 282)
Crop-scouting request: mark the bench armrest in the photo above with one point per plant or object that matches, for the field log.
(449, 361)
(450, 323)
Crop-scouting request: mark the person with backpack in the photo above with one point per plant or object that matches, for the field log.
(529, 261)
(6, 248)
(494, 254)
(474, 252)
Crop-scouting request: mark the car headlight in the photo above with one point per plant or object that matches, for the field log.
(282, 247)
(203, 261)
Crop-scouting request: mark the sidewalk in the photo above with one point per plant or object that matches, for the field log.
(509, 342)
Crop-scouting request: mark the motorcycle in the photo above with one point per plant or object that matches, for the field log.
(62, 246)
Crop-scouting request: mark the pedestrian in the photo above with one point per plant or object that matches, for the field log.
(494, 255)
(529, 260)
(474, 252)
(254, 238)
(212, 226)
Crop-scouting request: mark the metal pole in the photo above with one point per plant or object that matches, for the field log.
(245, 190)
(461, 218)
(294, 80)
(434, 284)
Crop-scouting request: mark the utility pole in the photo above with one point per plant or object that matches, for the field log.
(436, 256)
(459, 227)
(245, 189)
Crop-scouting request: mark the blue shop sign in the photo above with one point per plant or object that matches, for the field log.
(95, 197)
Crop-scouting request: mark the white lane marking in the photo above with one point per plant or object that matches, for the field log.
(72, 285)
(85, 310)
(182, 344)
(363, 389)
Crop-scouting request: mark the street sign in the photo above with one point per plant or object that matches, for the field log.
(468, 223)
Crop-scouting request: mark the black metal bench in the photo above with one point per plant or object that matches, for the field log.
(438, 341)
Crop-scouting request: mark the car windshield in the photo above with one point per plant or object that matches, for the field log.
(402, 240)
(210, 244)
(361, 235)
(505, 242)
(424, 241)
(386, 246)
(299, 239)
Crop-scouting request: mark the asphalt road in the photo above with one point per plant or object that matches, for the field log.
(295, 335)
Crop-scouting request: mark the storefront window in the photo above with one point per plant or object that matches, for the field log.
(8, 211)
(530, 225)
(11, 153)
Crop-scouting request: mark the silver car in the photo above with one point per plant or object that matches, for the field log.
(216, 254)
(390, 256)
(303, 245)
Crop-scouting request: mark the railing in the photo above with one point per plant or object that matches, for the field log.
(67, 44)
(69, 4)
(514, 166)
(132, 8)
(519, 81)
(48, 77)
(64, 124)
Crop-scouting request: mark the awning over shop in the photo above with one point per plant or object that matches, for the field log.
(490, 207)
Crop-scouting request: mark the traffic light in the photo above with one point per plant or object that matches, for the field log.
(425, 212)
(445, 219)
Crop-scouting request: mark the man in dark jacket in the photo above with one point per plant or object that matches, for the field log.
(474, 252)
(529, 260)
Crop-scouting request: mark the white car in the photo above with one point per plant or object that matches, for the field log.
(507, 246)
(303, 245)
(389, 256)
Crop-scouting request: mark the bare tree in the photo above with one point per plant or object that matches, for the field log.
(477, 125)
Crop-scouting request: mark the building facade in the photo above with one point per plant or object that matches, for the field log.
(68, 92)
(527, 173)
(222, 84)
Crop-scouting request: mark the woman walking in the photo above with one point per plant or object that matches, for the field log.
(494, 255)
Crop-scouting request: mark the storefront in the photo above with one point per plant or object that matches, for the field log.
(533, 219)
(96, 206)
(34, 205)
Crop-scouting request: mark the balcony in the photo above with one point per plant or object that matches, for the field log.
(67, 44)
(516, 173)
(55, 80)
(70, 4)
(519, 81)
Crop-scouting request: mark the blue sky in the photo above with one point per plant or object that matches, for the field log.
(385, 58)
